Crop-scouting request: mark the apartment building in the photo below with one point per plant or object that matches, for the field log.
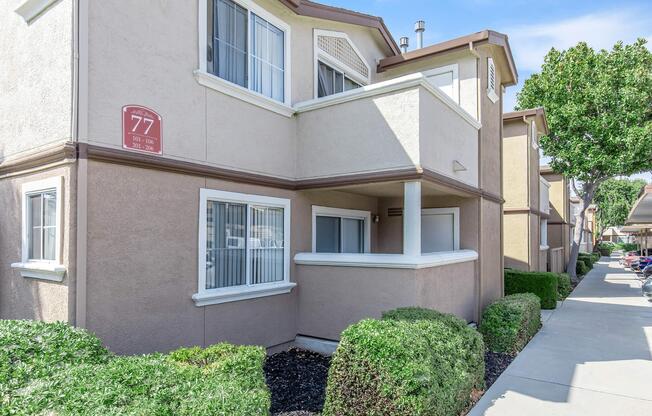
(526, 208)
(560, 222)
(185, 173)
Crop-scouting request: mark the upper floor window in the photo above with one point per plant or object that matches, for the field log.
(332, 81)
(248, 47)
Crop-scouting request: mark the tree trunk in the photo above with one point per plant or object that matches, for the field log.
(588, 191)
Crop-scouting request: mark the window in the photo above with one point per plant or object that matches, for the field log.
(243, 247)
(440, 229)
(41, 230)
(337, 230)
(247, 47)
(332, 81)
(544, 233)
(491, 80)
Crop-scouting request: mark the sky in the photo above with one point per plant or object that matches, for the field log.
(533, 26)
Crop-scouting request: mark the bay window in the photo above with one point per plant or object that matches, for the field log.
(248, 47)
(337, 230)
(243, 247)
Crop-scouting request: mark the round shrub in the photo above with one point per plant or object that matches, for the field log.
(220, 380)
(564, 287)
(581, 268)
(401, 367)
(32, 350)
(509, 323)
(542, 284)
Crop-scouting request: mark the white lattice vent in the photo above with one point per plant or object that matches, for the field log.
(341, 49)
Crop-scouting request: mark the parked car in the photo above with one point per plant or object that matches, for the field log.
(629, 258)
(641, 263)
(647, 271)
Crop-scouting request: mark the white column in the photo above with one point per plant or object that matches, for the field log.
(412, 218)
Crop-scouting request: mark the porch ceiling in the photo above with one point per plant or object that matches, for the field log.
(395, 189)
(641, 213)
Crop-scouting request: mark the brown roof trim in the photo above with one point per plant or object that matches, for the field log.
(526, 211)
(531, 112)
(488, 36)
(129, 158)
(39, 158)
(322, 11)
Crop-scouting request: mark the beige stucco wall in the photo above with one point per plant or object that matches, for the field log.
(515, 165)
(142, 262)
(331, 298)
(516, 249)
(27, 298)
(491, 259)
(199, 123)
(35, 78)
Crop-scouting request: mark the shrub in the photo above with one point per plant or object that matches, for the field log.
(587, 259)
(542, 284)
(472, 341)
(564, 287)
(595, 257)
(605, 248)
(626, 246)
(410, 363)
(581, 268)
(509, 323)
(220, 380)
(31, 350)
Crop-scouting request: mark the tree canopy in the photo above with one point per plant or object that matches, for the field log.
(598, 108)
(614, 199)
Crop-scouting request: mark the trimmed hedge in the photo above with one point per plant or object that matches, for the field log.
(412, 362)
(509, 323)
(605, 248)
(564, 287)
(581, 267)
(587, 258)
(222, 379)
(542, 284)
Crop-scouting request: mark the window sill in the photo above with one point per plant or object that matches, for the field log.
(544, 248)
(237, 294)
(40, 270)
(236, 91)
(386, 261)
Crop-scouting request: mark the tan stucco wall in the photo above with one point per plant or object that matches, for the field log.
(491, 260)
(516, 249)
(142, 262)
(515, 165)
(35, 77)
(199, 123)
(27, 298)
(331, 298)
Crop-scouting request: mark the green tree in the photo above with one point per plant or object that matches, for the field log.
(614, 199)
(598, 106)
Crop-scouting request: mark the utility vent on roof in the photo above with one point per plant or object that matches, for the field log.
(341, 49)
(394, 212)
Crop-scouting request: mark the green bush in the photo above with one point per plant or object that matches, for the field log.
(564, 287)
(581, 267)
(626, 246)
(509, 323)
(31, 350)
(542, 284)
(411, 362)
(53, 368)
(605, 248)
(586, 258)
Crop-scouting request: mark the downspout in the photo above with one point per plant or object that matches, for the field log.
(79, 108)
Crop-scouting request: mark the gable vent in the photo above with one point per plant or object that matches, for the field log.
(340, 49)
(394, 212)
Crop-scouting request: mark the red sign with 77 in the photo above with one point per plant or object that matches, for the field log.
(141, 129)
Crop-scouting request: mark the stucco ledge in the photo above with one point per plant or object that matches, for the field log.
(387, 261)
(42, 271)
(239, 293)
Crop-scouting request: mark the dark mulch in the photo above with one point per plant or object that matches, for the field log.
(495, 363)
(297, 381)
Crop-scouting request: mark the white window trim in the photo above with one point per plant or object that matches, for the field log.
(491, 93)
(41, 269)
(205, 296)
(31, 9)
(455, 211)
(454, 68)
(335, 63)
(342, 213)
(206, 79)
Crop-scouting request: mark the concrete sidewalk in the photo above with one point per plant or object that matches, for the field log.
(592, 356)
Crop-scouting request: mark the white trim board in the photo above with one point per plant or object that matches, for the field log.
(386, 261)
(31, 9)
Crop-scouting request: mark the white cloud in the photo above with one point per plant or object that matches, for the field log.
(531, 42)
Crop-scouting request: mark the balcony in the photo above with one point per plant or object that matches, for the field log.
(403, 123)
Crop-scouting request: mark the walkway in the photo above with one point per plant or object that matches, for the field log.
(592, 356)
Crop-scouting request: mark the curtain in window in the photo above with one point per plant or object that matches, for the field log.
(225, 244)
(266, 245)
(326, 82)
(230, 43)
(267, 58)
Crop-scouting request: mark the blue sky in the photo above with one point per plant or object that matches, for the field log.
(533, 26)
